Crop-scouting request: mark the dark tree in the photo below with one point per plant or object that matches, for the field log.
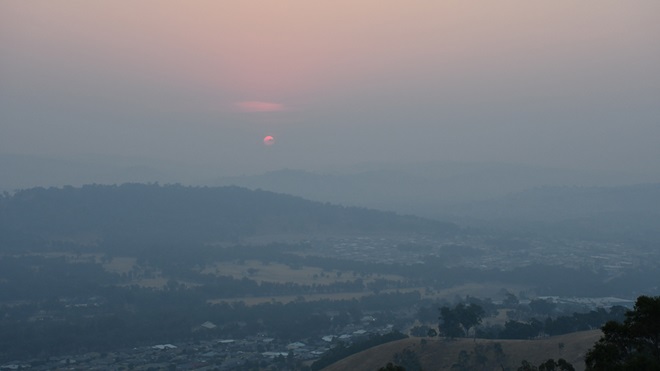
(391, 367)
(549, 365)
(631, 345)
(559, 365)
(526, 366)
(449, 323)
(420, 331)
(458, 321)
(518, 330)
(543, 307)
(510, 300)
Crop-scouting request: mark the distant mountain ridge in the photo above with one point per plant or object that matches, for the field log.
(25, 171)
(421, 189)
(149, 213)
(557, 203)
(622, 214)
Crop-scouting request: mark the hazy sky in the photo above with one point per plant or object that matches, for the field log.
(560, 83)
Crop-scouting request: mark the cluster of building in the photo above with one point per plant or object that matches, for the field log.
(216, 354)
(482, 252)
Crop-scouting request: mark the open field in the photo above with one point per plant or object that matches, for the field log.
(70, 257)
(121, 264)
(289, 298)
(250, 300)
(468, 289)
(281, 273)
(278, 273)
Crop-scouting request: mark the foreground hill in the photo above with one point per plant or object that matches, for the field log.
(441, 354)
(138, 214)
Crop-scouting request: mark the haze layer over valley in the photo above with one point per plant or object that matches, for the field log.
(303, 185)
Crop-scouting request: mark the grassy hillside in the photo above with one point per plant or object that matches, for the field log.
(441, 354)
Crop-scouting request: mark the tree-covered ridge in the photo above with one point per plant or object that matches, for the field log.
(141, 213)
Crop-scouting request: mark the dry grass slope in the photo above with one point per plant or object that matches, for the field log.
(440, 354)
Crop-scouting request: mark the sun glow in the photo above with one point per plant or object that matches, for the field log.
(259, 106)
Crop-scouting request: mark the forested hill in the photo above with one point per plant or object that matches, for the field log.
(138, 213)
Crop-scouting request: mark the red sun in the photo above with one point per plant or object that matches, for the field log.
(269, 140)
